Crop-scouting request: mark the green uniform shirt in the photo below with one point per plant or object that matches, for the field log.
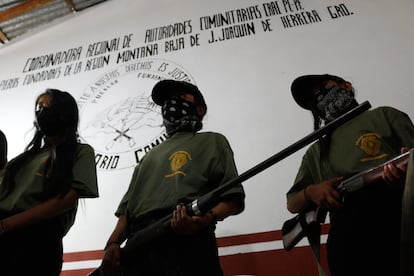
(28, 191)
(364, 142)
(184, 167)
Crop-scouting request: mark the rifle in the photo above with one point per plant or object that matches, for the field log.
(210, 199)
(296, 228)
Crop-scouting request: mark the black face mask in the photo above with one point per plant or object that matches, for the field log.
(179, 114)
(47, 121)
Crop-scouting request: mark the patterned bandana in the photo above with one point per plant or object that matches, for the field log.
(179, 114)
(331, 101)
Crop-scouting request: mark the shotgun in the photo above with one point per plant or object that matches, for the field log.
(209, 200)
(296, 228)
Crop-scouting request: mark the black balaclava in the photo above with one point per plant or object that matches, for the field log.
(180, 114)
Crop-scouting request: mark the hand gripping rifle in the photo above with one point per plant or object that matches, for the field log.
(304, 223)
(210, 199)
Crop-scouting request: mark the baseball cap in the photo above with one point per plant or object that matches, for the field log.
(302, 86)
(165, 89)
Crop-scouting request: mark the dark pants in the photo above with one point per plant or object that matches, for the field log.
(35, 250)
(175, 255)
(364, 239)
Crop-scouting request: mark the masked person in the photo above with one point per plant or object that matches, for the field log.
(184, 167)
(40, 189)
(364, 235)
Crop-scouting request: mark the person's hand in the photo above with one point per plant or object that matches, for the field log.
(325, 194)
(111, 261)
(184, 224)
(392, 173)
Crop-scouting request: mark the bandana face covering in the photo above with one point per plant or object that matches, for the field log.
(179, 114)
(331, 101)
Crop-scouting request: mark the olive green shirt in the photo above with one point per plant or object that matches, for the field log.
(29, 183)
(364, 142)
(182, 168)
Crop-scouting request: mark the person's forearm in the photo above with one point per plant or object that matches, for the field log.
(299, 201)
(46, 210)
(119, 234)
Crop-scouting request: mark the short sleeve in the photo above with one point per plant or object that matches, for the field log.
(124, 201)
(84, 172)
(402, 126)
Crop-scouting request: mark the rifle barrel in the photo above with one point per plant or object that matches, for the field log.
(201, 205)
(207, 201)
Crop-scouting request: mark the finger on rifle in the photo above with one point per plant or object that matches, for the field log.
(178, 215)
(180, 212)
(335, 200)
(174, 219)
(334, 181)
(391, 172)
(404, 149)
(331, 201)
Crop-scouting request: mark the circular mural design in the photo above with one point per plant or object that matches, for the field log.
(117, 115)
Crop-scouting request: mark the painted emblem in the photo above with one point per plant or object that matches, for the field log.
(177, 161)
(117, 115)
(370, 143)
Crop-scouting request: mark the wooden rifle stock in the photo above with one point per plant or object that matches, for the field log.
(299, 226)
(209, 200)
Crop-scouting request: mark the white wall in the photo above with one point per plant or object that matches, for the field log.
(246, 83)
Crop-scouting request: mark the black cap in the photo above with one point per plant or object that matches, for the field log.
(302, 87)
(167, 88)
